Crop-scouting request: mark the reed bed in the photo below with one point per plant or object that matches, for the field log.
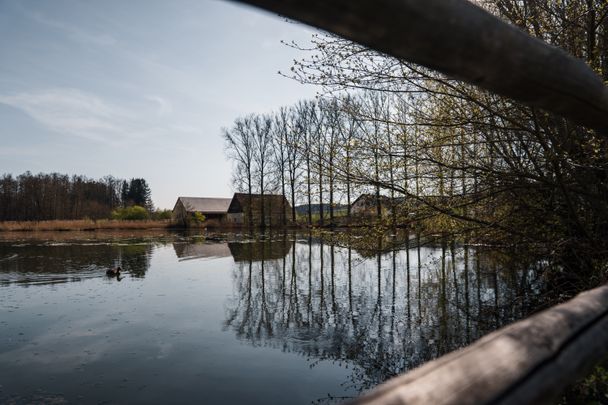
(83, 225)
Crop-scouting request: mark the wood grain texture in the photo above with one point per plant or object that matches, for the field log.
(528, 362)
(462, 40)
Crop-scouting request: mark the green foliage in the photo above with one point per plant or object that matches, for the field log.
(161, 214)
(197, 217)
(302, 218)
(133, 213)
(592, 390)
(136, 192)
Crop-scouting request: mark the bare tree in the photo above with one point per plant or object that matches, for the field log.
(280, 140)
(262, 142)
(294, 142)
(240, 147)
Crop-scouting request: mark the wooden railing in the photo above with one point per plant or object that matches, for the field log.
(527, 362)
(530, 361)
(462, 40)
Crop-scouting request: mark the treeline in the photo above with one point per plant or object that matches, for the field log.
(480, 163)
(38, 197)
(326, 152)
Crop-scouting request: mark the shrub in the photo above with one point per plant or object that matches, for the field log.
(162, 214)
(198, 217)
(133, 213)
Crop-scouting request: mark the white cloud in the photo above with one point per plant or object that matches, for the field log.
(80, 114)
(73, 32)
(72, 112)
(163, 105)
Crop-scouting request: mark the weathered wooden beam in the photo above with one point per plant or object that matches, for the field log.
(462, 40)
(528, 362)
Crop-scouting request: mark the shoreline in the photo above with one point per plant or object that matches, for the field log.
(164, 224)
(85, 225)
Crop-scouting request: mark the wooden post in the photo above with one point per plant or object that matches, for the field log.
(462, 40)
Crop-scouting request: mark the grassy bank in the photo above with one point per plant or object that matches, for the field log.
(83, 225)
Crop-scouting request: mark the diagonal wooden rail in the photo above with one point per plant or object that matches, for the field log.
(528, 362)
(464, 41)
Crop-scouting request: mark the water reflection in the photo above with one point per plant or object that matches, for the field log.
(259, 250)
(208, 313)
(240, 251)
(379, 315)
(186, 250)
(46, 262)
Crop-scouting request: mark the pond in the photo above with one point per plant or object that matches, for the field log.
(232, 319)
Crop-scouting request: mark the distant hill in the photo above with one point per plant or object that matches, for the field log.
(315, 208)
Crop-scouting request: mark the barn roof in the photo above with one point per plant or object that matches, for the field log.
(206, 205)
(241, 200)
(371, 199)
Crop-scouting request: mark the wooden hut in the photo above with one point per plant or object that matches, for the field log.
(366, 205)
(275, 207)
(211, 208)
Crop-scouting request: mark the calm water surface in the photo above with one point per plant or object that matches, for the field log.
(288, 319)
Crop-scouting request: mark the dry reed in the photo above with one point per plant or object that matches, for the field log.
(83, 225)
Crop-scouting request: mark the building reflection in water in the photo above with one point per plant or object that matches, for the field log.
(186, 250)
(239, 251)
(379, 313)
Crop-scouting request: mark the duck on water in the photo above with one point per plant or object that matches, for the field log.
(114, 272)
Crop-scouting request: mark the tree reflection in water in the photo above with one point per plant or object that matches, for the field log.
(47, 262)
(379, 312)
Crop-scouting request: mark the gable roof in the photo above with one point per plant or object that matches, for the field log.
(240, 201)
(370, 199)
(208, 205)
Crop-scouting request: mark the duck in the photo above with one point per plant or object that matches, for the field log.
(114, 272)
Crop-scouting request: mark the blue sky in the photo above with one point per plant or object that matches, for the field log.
(138, 88)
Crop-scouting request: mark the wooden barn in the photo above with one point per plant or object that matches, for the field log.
(276, 210)
(366, 205)
(211, 208)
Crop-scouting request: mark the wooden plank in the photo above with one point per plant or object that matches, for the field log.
(462, 40)
(528, 362)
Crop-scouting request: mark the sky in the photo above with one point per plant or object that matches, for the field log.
(138, 88)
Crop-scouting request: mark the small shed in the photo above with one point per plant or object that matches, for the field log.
(211, 208)
(367, 205)
(275, 206)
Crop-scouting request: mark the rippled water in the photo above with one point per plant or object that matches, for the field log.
(287, 319)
